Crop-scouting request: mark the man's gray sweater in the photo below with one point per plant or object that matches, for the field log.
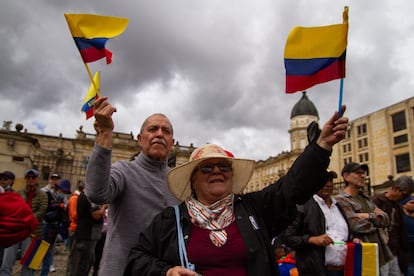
(136, 191)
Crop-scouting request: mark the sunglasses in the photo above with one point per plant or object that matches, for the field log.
(31, 177)
(4, 178)
(209, 167)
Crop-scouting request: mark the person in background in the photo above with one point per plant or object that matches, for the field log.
(365, 219)
(408, 209)
(318, 234)
(100, 245)
(225, 232)
(87, 234)
(7, 180)
(397, 231)
(37, 201)
(56, 207)
(73, 218)
(136, 190)
(285, 260)
(6, 183)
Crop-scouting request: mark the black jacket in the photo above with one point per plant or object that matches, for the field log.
(272, 209)
(310, 221)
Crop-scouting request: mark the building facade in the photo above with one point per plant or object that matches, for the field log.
(384, 140)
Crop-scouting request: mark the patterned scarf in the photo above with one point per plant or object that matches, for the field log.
(214, 217)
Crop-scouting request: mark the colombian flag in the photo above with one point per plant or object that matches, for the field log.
(91, 96)
(361, 259)
(315, 55)
(35, 253)
(91, 32)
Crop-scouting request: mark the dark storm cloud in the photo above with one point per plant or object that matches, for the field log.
(216, 68)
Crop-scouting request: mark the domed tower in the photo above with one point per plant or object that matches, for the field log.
(303, 113)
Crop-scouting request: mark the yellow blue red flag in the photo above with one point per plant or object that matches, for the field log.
(91, 96)
(35, 253)
(91, 32)
(315, 55)
(361, 259)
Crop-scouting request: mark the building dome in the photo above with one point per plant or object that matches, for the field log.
(304, 107)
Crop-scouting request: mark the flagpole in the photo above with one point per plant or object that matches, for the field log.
(91, 78)
(341, 89)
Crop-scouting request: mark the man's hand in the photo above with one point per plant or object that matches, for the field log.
(321, 240)
(104, 124)
(333, 131)
(103, 111)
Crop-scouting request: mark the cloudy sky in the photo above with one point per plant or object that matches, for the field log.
(214, 67)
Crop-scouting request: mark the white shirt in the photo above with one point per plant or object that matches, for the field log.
(337, 229)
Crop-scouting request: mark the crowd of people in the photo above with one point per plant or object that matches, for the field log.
(138, 217)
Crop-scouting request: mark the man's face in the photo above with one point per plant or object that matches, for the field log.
(326, 191)
(53, 181)
(156, 138)
(5, 181)
(31, 180)
(356, 178)
(401, 193)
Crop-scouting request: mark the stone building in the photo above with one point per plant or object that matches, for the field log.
(20, 150)
(384, 140)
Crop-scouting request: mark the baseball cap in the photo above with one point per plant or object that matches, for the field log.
(31, 171)
(7, 174)
(352, 167)
(55, 175)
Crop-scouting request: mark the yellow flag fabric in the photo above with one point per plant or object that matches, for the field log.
(317, 42)
(95, 26)
(370, 266)
(92, 95)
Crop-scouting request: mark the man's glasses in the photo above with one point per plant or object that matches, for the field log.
(31, 177)
(209, 167)
(4, 179)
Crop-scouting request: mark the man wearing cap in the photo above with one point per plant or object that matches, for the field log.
(6, 180)
(397, 230)
(318, 233)
(37, 200)
(136, 189)
(55, 192)
(365, 219)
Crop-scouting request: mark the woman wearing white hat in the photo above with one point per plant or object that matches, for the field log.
(224, 232)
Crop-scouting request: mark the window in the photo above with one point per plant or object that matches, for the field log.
(363, 143)
(363, 157)
(398, 121)
(346, 147)
(402, 162)
(400, 139)
(362, 129)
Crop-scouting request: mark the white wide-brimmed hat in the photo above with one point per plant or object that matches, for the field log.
(179, 177)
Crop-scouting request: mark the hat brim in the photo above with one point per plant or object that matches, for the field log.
(178, 178)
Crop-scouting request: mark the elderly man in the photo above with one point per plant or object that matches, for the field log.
(37, 200)
(136, 190)
(364, 217)
(397, 231)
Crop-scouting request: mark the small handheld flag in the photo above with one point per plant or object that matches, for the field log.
(314, 55)
(91, 96)
(35, 253)
(91, 32)
(361, 259)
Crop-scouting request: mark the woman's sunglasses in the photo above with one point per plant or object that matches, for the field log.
(209, 167)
